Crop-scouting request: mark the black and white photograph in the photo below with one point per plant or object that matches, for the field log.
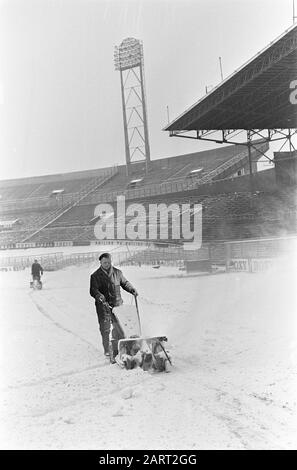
(148, 227)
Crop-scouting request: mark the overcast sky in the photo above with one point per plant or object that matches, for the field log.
(60, 102)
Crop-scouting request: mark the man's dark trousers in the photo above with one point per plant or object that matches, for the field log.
(104, 321)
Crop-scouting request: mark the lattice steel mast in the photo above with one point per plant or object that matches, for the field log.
(128, 60)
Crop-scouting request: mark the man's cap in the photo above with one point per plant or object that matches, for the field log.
(104, 255)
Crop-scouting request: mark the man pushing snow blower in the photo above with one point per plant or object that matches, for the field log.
(120, 325)
(105, 287)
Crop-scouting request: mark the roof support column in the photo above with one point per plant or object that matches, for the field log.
(249, 145)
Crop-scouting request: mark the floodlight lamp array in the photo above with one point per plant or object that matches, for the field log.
(128, 55)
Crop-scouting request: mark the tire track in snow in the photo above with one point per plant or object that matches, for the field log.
(62, 375)
(43, 311)
(84, 401)
(116, 389)
(34, 383)
(238, 417)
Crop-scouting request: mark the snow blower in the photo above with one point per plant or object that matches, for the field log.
(129, 349)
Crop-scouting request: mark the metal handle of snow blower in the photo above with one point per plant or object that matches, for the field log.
(159, 342)
(138, 316)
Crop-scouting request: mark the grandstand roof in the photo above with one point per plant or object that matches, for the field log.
(256, 96)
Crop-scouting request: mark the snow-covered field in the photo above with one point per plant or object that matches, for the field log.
(233, 338)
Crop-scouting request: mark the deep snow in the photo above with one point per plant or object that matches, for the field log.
(233, 338)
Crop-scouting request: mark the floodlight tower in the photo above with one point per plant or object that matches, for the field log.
(128, 59)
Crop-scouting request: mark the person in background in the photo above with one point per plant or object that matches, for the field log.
(36, 271)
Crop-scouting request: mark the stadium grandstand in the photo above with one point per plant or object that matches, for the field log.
(230, 209)
(239, 202)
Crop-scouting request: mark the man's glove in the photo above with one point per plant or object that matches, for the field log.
(101, 298)
(134, 292)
